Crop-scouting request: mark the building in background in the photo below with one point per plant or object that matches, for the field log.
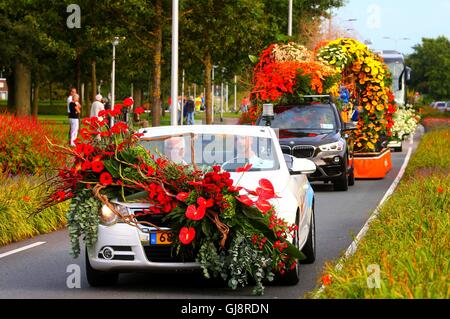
(3, 89)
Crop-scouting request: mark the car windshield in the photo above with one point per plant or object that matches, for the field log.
(304, 117)
(227, 150)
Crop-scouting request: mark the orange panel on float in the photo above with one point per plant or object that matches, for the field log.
(373, 165)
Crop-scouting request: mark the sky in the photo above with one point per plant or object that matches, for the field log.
(396, 19)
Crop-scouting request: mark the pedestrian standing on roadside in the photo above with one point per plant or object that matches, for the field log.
(97, 106)
(190, 110)
(73, 91)
(74, 118)
(179, 106)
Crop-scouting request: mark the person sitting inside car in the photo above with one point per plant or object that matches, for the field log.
(246, 154)
(175, 149)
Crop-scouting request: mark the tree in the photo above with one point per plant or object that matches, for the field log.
(430, 63)
(218, 32)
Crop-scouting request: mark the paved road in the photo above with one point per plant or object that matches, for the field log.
(40, 272)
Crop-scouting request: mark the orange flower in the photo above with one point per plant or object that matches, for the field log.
(326, 280)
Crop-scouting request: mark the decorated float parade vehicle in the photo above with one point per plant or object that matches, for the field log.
(123, 248)
(346, 69)
(224, 200)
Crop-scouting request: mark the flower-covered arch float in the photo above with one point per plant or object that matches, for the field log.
(346, 69)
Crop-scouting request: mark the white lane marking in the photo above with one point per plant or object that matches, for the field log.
(22, 249)
(352, 248)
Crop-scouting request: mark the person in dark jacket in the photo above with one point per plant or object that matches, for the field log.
(190, 110)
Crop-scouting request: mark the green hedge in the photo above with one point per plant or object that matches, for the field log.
(409, 240)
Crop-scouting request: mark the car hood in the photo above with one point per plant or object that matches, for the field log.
(295, 137)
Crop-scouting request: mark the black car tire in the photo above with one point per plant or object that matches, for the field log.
(341, 183)
(309, 249)
(351, 177)
(97, 278)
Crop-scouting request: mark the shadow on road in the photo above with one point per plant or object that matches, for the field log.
(322, 187)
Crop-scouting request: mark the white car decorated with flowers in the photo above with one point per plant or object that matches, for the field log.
(124, 248)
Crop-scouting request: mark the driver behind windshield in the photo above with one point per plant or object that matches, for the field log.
(246, 154)
(175, 150)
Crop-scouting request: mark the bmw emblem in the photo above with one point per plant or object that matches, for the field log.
(292, 142)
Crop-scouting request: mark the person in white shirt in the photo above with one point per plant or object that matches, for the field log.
(97, 106)
(73, 91)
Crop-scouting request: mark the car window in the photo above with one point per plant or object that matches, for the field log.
(440, 104)
(229, 151)
(310, 117)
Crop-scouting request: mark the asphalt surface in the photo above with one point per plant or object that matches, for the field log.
(41, 271)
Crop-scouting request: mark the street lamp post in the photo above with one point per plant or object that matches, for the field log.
(182, 99)
(174, 71)
(290, 19)
(235, 93)
(396, 40)
(212, 115)
(113, 77)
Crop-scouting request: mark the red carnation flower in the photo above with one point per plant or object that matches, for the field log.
(187, 235)
(139, 110)
(86, 165)
(97, 166)
(106, 178)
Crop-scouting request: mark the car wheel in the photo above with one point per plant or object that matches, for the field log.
(309, 250)
(351, 177)
(341, 183)
(97, 278)
(291, 277)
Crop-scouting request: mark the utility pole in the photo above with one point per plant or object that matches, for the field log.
(290, 19)
(174, 71)
(235, 93)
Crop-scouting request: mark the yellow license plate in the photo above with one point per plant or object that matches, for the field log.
(161, 238)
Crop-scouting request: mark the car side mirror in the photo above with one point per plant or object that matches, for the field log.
(302, 166)
(349, 127)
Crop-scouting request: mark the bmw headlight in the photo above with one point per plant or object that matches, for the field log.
(332, 147)
(108, 217)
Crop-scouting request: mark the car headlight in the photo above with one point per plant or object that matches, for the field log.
(108, 217)
(332, 147)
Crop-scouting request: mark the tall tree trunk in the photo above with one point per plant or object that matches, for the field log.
(156, 94)
(36, 97)
(22, 89)
(93, 80)
(78, 74)
(50, 95)
(11, 92)
(137, 96)
(208, 83)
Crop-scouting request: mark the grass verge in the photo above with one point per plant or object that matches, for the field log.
(409, 242)
(17, 200)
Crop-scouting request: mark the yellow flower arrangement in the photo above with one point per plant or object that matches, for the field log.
(351, 56)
